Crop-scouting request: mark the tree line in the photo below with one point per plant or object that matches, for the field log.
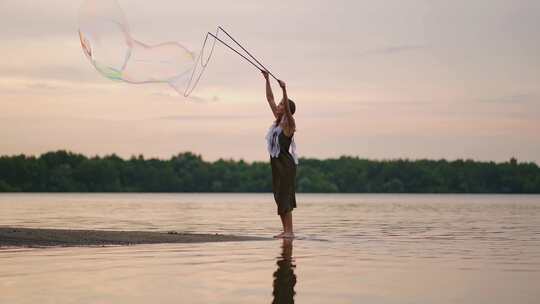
(63, 171)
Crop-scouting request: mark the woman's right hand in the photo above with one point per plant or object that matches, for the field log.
(265, 74)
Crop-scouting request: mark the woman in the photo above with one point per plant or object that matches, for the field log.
(279, 139)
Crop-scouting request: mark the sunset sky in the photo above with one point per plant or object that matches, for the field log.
(374, 79)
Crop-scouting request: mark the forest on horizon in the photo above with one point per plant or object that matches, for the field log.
(63, 171)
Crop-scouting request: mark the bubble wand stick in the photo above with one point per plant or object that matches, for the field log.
(261, 68)
(194, 80)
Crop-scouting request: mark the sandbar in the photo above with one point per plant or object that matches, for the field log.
(37, 237)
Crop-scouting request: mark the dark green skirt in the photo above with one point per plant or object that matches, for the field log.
(284, 182)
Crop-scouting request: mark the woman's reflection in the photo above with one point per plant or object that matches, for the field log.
(284, 277)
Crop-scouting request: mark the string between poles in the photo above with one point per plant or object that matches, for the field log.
(194, 80)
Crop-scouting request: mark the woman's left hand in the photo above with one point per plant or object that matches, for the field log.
(282, 84)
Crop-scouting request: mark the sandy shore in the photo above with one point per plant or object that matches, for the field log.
(32, 237)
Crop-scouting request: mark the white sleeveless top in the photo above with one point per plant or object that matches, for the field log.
(272, 141)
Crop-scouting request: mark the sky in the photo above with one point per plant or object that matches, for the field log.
(374, 79)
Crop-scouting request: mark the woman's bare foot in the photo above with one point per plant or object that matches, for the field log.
(279, 236)
(288, 235)
(284, 235)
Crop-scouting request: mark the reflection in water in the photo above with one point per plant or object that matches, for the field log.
(284, 277)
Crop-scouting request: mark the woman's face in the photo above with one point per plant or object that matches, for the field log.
(280, 108)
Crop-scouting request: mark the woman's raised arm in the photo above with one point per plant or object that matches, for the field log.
(290, 126)
(270, 95)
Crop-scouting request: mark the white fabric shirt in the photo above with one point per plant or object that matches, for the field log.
(272, 140)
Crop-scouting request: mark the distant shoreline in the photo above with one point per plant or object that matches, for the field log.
(37, 237)
(63, 171)
(297, 193)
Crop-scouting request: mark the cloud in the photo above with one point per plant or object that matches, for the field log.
(20, 85)
(71, 74)
(210, 117)
(517, 98)
(42, 86)
(30, 85)
(204, 99)
(393, 49)
(171, 93)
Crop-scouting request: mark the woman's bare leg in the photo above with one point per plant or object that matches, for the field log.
(283, 223)
(288, 225)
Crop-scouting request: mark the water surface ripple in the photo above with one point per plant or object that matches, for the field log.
(351, 248)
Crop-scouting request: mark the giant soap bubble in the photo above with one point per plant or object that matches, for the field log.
(109, 45)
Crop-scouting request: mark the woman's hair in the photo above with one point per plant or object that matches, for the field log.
(292, 106)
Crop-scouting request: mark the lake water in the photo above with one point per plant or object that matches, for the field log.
(351, 249)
